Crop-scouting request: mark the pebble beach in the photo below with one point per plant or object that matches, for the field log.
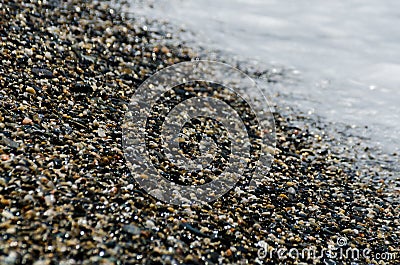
(68, 70)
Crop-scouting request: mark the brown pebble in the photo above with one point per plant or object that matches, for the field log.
(4, 201)
(27, 121)
(114, 190)
(189, 258)
(165, 50)
(290, 184)
(283, 196)
(5, 157)
(30, 90)
(144, 176)
(229, 253)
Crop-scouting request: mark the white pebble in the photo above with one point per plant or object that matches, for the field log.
(7, 214)
(101, 132)
(150, 224)
(28, 52)
(47, 55)
(291, 190)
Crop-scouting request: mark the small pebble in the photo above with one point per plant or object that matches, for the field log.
(150, 224)
(132, 229)
(30, 90)
(164, 50)
(27, 121)
(101, 132)
(6, 214)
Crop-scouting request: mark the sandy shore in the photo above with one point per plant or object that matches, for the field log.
(67, 196)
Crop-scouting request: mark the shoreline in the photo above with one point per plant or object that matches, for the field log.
(267, 33)
(68, 197)
(291, 81)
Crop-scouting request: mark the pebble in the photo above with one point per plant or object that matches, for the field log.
(165, 50)
(6, 214)
(8, 142)
(132, 229)
(42, 72)
(27, 121)
(48, 55)
(101, 132)
(30, 90)
(150, 224)
(5, 157)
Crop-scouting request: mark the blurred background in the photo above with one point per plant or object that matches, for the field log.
(343, 55)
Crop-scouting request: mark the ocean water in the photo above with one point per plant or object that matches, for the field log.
(344, 54)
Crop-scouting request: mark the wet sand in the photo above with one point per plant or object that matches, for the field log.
(67, 196)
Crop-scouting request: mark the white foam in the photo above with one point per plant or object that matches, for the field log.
(348, 52)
